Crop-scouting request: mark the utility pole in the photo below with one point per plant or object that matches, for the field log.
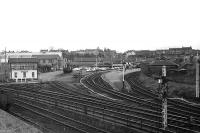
(164, 89)
(197, 76)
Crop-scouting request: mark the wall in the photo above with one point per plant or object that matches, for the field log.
(20, 74)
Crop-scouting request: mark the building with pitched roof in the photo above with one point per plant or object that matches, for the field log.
(23, 69)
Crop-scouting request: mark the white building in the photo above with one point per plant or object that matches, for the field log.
(23, 69)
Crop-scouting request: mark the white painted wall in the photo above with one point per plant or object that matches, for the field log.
(20, 74)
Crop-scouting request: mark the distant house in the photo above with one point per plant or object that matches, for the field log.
(66, 62)
(23, 69)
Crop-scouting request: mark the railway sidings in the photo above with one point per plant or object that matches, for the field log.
(141, 97)
(96, 107)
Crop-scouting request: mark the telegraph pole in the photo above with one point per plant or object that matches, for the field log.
(197, 76)
(164, 89)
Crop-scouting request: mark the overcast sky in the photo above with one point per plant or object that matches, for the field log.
(115, 24)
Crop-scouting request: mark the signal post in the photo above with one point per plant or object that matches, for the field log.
(163, 91)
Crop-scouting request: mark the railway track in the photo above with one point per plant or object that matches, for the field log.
(114, 116)
(128, 111)
(175, 106)
(177, 115)
(46, 97)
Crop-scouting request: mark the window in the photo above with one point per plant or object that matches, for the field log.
(43, 61)
(15, 74)
(33, 74)
(22, 67)
(50, 61)
(24, 74)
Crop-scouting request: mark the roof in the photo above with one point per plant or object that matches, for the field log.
(163, 63)
(20, 56)
(46, 56)
(23, 60)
